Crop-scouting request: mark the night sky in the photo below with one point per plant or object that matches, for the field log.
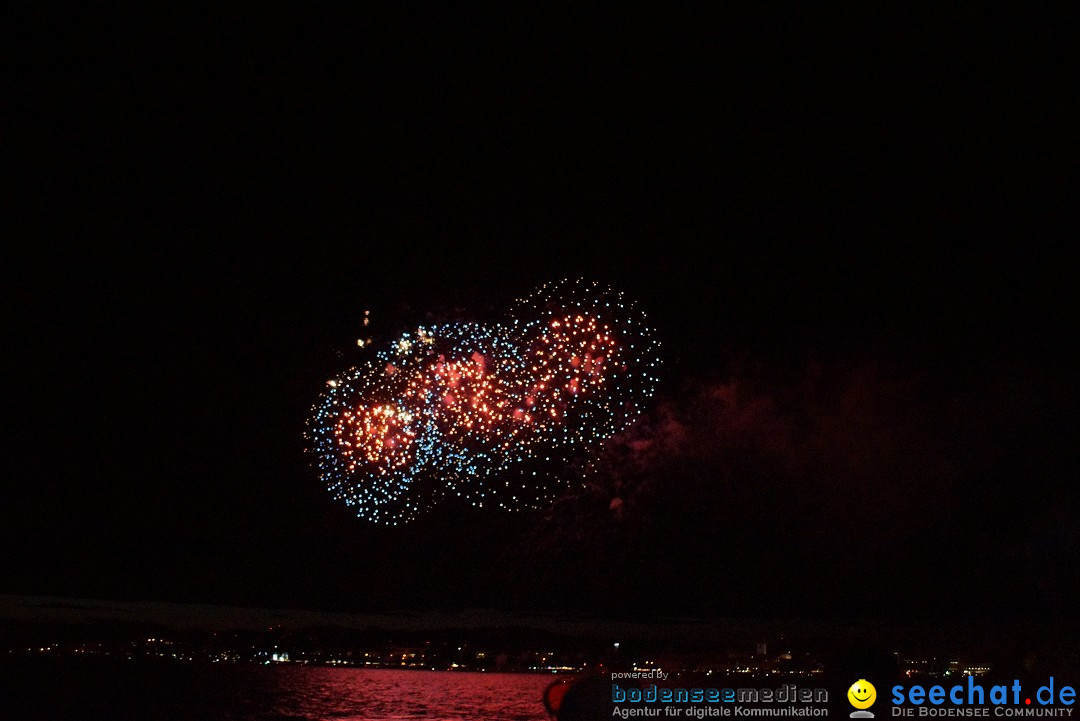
(853, 236)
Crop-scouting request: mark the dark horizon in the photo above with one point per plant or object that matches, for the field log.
(857, 250)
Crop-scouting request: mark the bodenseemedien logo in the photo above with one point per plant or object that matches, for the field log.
(862, 695)
(677, 701)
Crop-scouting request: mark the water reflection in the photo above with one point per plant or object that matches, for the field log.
(374, 695)
(125, 691)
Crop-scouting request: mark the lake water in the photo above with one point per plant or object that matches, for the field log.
(251, 693)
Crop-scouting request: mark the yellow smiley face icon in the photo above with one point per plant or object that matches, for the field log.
(862, 694)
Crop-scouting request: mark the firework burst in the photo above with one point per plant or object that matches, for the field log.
(493, 414)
